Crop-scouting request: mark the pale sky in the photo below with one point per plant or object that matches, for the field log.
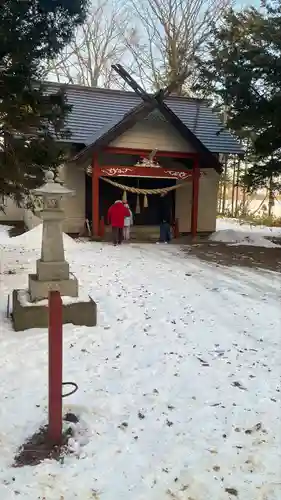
(246, 3)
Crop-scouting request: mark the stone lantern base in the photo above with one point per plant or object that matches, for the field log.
(30, 307)
(80, 311)
(39, 289)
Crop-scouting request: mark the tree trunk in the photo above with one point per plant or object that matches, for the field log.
(233, 190)
(97, 45)
(224, 184)
(244, 192)
(237, 187)
(170, 34)
(270, 197)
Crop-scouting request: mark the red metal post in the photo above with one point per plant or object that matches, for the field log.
(55, 367)
(95, 196)
(195, 197)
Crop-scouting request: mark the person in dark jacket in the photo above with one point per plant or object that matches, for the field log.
(164, 219)
(116, 216)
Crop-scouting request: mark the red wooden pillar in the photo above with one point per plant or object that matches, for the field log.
(55, 368)
(95, 195)
(195, 197)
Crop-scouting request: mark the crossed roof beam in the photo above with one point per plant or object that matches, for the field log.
(157, 97)
(149, 104)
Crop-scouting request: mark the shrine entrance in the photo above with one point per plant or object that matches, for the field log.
(141, 183)
(152, 141)
(143, 215)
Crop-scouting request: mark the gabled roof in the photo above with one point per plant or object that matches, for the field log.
(94, 109)
(99, 114)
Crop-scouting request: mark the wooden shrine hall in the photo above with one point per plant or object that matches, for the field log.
(136, 146)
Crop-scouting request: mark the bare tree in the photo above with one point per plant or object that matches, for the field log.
(99, 43)
(157, 40)
(170, 34)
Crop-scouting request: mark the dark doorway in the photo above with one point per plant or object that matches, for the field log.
(109, 194)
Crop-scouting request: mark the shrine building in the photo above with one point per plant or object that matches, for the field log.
(125, 145)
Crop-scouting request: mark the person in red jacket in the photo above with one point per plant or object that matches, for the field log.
(116, 216)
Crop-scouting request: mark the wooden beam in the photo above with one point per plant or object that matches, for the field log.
(146, 152)
(195, 198)
(149, 172)
(95, 196)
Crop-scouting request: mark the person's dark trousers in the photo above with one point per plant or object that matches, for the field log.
(117, 235)
(165, 232)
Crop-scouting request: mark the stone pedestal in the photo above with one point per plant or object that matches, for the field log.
(52, 270)
(39, 289)
(30, 307)
(81, 311)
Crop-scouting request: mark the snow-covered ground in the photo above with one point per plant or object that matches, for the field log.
(231, 231)
(183, 365)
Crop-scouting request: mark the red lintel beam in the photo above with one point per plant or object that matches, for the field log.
(139, 171)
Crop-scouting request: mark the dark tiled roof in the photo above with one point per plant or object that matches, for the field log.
(95, 111)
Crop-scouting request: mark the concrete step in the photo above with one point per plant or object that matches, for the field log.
(139, 233)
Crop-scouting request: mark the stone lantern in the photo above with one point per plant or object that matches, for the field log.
(52, 268)
(52, 271)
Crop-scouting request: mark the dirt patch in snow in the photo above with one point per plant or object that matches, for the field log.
(245, 256)
(38, 447)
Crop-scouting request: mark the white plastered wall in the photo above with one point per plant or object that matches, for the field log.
(74, 206)
(151, 135)
(207, 203)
